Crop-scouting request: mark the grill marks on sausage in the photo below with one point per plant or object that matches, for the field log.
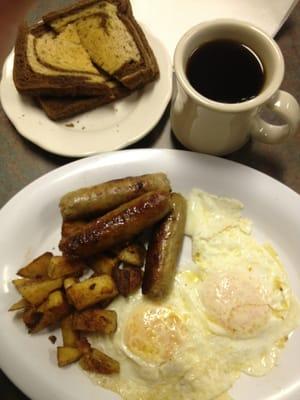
(118, 225)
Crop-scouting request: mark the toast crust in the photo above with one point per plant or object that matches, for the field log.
(30, 82)
(58, 108)
(123, 6)
(149, 70)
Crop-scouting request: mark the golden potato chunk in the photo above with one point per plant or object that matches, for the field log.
(54, 300)
(92, 291)
(68, 282)
(103, 264)
(38, 268)
(35, 292)
(67, 355)
(19, 305)
(61, 266)
(133, 254)
(96, 361)
(69, 335)
(18, 283)
(95, 320)
(50, 312)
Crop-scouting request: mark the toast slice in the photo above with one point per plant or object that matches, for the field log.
(56, 65)
(57, 108)
(111, 36)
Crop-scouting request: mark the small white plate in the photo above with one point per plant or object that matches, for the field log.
(110, 127)
(30, 224)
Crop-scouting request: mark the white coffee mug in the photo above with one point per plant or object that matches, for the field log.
(212, 127)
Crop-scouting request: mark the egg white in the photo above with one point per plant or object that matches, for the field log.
(243, 294)
(189, 370)
(230, 311)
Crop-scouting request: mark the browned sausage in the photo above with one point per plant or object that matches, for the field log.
(69, 228)
(117, 226)
(164, 249)
(96, 200)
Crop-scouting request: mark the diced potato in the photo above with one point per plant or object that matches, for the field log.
(83, 345)
(69, 335)
(61, 266)
(54, 300)
(68, 282)
(128, 279)
(96, 361)
(92, 291)
(52, 310)
(38, 268)
(19, 305)
(36, 292)
(31, 317)
(103, 264)
(67, 355)
(133, 254)
(95, 320)
(18, 283)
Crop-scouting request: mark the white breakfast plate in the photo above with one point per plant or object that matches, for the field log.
(30, 225)
(110, 127)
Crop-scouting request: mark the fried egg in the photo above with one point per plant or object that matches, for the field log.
(242, 288)
(162, 350)
(231, 311)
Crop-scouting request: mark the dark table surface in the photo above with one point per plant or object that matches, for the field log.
(21, 161)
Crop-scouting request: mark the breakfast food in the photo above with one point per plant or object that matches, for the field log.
(118, 225)
(57, 108)
(36, 76)
(164, 249)
(231, 311)
(228, 310)
(83, 56)
(101, 198)
(128, 279)
(91, 291)
(95, 320)
(38, 268)
(112, 38)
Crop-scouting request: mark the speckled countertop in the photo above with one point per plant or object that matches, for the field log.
(21, 162)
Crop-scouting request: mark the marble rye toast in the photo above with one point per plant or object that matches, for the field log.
(113, 39)
(33, 77)
(57, 108)
(82, 57)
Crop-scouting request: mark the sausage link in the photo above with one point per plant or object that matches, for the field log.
(164, 250)
(86, 202)
(117, 226)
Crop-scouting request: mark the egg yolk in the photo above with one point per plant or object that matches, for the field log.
(236, 303)
(154, 333)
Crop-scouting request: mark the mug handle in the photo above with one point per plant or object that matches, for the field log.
(287, 107)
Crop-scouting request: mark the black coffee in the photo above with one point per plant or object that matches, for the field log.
(226, 71)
